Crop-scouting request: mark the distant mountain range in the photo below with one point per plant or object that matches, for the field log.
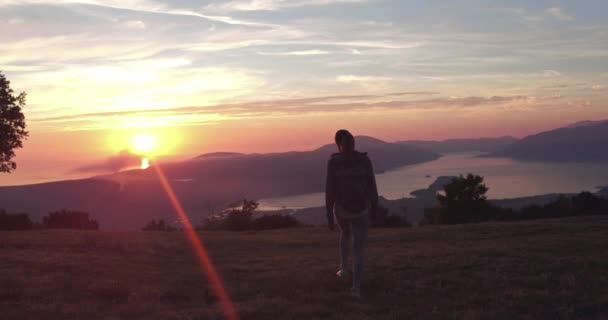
(205, 184)
(586, 123)
(585, 141)
(462, 145)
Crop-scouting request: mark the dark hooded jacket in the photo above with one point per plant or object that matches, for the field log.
(345, 173)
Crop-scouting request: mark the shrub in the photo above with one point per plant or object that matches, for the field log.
(464, 200)
(15, 221)
(234, 219)
(384, 219)
(587, 203)
(66, 219)
(158, 226)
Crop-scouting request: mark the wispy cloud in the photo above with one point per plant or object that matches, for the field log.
(88, 56)
(144, 6)
(271, 5)
(281, 108)
(312, 52)
(560, 14)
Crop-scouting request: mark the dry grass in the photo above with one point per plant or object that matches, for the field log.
(551, 269)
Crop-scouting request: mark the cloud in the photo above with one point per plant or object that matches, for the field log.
(559, 14)
(525, 14)
(288, 107)
(123, 160)
(551, 74)
(91, 56)
(135, 24)
(271, 5)
(143, 6)
(312, 52)
(142, 84)
(361, 79)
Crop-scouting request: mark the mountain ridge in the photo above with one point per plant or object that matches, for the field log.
(581, 142)
(129, 199)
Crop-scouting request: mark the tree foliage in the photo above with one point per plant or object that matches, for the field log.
(15, 221)
(66, 219)
(241, 219)
(159, 225)
(464, 200)
(384, 219)
(12, 124)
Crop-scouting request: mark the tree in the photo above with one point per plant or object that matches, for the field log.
(158, 226)
(464, 200)
(12, 124)
(66, 219)
(234, 219)
(240, 219)
(587, 203)
(19, 221)
(385, 219)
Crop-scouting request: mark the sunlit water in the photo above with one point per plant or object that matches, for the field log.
(505, 177)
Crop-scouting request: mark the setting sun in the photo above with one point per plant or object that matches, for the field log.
(143, 143)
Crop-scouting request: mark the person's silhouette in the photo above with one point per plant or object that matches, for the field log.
(350, 194)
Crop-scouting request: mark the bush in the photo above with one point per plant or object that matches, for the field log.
(588, 203)
(233, 219)
(384, 219)
(431, 216)
(16, 221)
(158, 226)
(464, 200)
(584, 203)
(241, 219)
(66, 219)
(237, 220)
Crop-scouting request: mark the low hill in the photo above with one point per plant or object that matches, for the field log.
(581, 142)
(549, 269)
(462, 145)
(216, 155)
(129, 199)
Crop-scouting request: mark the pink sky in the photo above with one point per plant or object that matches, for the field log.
(272, 76)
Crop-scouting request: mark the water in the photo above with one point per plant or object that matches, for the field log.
(506, 178)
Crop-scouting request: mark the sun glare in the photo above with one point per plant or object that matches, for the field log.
(151, 143)
(145, 163)
(144, 144)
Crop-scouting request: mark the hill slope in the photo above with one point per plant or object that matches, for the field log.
(128, 200)
(581, 142)
(462, 145)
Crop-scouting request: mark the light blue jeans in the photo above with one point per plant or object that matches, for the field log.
(353, 234)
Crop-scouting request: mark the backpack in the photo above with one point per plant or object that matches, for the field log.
(351, 182)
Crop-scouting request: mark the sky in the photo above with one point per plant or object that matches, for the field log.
(278, 75)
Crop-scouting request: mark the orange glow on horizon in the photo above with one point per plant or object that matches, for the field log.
(149, 142)
(199, 249)
(143, 143)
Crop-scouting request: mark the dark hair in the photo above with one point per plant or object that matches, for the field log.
(346, 140)
(340, 135)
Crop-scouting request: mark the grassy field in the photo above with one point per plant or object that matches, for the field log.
(549, 269)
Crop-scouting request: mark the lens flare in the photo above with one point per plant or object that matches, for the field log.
(199, 250)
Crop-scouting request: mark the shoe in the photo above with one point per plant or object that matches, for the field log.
(343, 274)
